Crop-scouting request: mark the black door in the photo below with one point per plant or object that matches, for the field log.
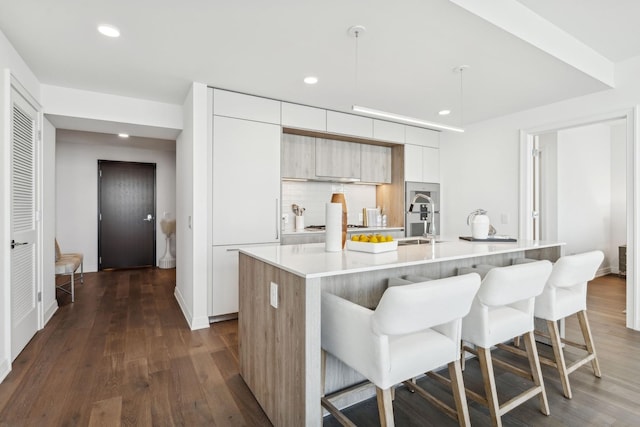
(126, 214)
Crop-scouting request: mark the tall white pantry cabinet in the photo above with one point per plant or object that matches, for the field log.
(246, 137)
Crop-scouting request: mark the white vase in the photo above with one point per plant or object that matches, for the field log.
(167, 260)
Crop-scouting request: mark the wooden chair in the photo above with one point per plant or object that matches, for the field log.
(67, 264)
(503, 309)
(414, 329)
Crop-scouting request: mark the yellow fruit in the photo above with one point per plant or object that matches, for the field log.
(364, 238)
(382, 239)
(355, 237)
(389, 238)
(374, 239)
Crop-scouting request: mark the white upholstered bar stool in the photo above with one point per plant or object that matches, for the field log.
(564, 295)
(414, 329)
(502, 310)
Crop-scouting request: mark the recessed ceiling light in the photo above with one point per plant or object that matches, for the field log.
(123, 135)
(444, 112)
(311, 80)
(109, 30)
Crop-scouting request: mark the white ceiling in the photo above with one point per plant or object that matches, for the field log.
(405, 58)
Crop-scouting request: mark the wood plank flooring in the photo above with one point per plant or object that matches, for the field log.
(122, 354)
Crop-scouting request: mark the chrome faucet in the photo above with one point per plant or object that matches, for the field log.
(430, 231)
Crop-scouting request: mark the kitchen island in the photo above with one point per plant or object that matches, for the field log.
(279, 317)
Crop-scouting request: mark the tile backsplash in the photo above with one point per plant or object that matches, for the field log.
(313, 196)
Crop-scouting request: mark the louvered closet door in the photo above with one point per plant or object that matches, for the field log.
(24, 313)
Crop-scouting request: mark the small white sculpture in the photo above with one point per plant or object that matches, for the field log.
(168, 227)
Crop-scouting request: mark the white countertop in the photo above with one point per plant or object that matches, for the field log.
(311, 260)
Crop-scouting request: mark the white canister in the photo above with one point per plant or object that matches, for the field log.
(299, 223)
(480, 224)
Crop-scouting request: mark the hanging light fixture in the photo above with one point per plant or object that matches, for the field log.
(356, 31)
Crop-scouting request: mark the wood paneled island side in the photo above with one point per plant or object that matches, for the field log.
(280, 346)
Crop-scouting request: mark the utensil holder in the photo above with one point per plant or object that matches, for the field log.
(299, 223)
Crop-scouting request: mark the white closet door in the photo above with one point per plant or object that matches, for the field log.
(24, 305)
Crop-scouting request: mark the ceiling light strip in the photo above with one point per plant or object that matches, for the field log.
(406, 119)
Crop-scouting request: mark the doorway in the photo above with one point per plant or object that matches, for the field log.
(627, 164)
(126, 214)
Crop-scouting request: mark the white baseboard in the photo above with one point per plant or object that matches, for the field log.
(194, 323)
(50, 311)
(603, 271)
(5, 368)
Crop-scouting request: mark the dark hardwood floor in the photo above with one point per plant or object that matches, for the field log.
(122, 354)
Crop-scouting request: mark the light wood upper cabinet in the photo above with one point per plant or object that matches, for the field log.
(375, 164)
(422, 137)
(303, 117)
(337, 159)
(248, 107)
(298, 156)
(388, 131)
(421, 164)
(349, 124)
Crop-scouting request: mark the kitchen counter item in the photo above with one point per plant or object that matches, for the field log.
(490, 239)
(339, 198)
(372, 247)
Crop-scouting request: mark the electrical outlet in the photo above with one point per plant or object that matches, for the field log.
(359, 216)
(273, 295)
(285, 218)
(504, 218)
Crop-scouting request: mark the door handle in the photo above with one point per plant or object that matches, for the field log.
(14, 244)
(148, 218)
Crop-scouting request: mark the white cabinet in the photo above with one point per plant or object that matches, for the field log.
(224, 263)
(421, 164)
(298, 156)
(246, 181)
(349, 124)
(388, 131)
(241, 106)
(375, 164)
(303, 117)
(337, 159)
(422, 137)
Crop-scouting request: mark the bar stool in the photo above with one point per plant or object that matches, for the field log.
(564, 295)
(414, 329)
(503, 309)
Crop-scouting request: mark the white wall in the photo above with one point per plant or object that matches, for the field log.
(10, 63)
(548, 146)
(50, 304)
(193, 160)
(77, 193)
(584, 189)
(618, 235)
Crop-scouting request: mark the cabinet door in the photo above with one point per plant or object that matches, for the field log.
(223, 295)
(375, 163)
(388, 131)
(349, 124)
(430, 164)
(246, 181)
(422, 137)
(298, 156)
(239, 105)
(412, 163)
(303, 117)
(338, 159)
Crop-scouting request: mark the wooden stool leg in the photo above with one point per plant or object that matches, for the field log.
(385, 407)
(534, 363)
(588, 340)
(457, 387)
(463, 359)
(554, 336)
(486, 367)
(323, 366)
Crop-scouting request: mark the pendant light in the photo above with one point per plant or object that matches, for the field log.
(357, 31)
